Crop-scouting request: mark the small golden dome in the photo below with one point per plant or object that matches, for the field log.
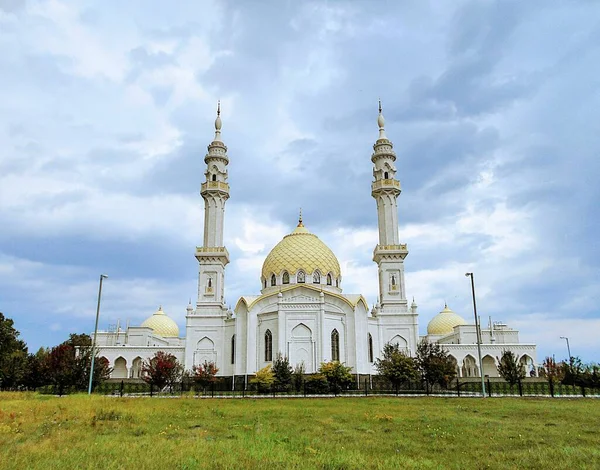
(162, 325)
(301, 250)
(444, 322)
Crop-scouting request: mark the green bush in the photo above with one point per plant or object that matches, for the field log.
(316, 383)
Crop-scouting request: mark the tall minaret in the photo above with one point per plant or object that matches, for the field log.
(389, 254)
(212, 255)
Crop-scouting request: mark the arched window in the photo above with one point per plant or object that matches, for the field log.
(286, 278)
(337, 282)
(329, 279)
(273, 280)
(233, 349)
(214, 177)
(265, 283)
(209, 282)
(393, 280)
(268, 346)
(301, 277)
(370, 340)
(386, 176)
(335, 345)
(316, 277)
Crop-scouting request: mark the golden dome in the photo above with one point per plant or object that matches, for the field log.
(301, 250)
(162, 325)
(444, 322)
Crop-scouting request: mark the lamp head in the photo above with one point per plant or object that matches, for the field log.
(103, 276)
(468, 274)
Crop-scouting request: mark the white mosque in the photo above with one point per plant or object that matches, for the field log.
(302, 311)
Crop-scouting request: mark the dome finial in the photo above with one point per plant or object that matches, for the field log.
(300, 224)
(218, 122)
(381, 123)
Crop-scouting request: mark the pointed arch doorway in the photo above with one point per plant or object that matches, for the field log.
(301, 348)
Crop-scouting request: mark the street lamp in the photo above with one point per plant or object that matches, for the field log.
(568, 347)
(478, 334)
(102, 277)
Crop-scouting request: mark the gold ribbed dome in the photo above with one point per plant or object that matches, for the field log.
(444, 322)
(162, 325)
(301, 250)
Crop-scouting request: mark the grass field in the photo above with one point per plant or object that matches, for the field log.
(100, 432)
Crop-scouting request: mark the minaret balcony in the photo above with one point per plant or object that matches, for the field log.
(392, 184)
(390, 251)
(220, 252)
(214, 186)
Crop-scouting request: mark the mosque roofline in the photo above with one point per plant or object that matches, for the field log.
(255, 299)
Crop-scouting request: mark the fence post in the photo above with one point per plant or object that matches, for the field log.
(366, 388)
(212, 389)
(551, 386)
(121, 388)
(457, 386)
(583, 390)
(489, 387)
(520, 388)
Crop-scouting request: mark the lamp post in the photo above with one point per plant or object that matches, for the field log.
(478, 335)
(102, 277)
(568, 347)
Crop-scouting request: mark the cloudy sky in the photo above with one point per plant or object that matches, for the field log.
(106, 109)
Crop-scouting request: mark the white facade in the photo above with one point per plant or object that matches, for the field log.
(302, 311)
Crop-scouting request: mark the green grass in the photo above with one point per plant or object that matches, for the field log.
(111, 433)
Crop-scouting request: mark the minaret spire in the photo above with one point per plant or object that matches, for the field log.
(300, 224)
(218, 123)
(381, 123)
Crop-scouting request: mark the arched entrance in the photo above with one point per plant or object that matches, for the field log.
(469, 368)
(527, 364)
(136, 368)
(205, 351)
(120, 369)
(489, 366)
(301, 348)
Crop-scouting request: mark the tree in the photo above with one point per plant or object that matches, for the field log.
(60, 364)
(396, 366)
(264, 379)
(552, 370)
(68, 364)
(510, 369)
(435, 363)
(161, 370)
(298, 376)
(337, 374)
(282, 372)
(573, 372)
(13, 354)
(205, 374)
(36, 372)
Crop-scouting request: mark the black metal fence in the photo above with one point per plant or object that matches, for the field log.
(239, 388)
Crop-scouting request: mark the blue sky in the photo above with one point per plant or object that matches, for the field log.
(106, 110)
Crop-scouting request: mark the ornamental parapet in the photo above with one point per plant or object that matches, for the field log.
(390, 184)
(212, 252)
(382, 251)
(214, 185)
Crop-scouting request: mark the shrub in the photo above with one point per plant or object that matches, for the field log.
(510, 369)
(396, 366)
(316, 384)
(264, 379)
(337, 374)
(282, 372)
